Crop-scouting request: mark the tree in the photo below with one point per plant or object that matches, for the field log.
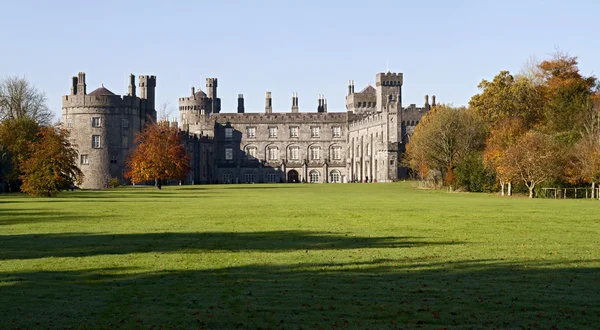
(508, 96)
(160, 155)
(6, 166)
(164, 111)
(568, 97)
(445, 137)
(503, 135)
(20, 99)
(16, 135)
(534, 158)
(52, 163)
(584, 162)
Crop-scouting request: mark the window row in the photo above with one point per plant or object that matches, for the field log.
(410, 123)
(97, 122)
(314, 153)
(97, 141)
(85, 159)
(315, 132)
(314, 176)
(366, 104)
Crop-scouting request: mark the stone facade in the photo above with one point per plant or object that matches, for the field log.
(103, 126)
(363, 143)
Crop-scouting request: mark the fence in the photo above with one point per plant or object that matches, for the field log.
(565, 193)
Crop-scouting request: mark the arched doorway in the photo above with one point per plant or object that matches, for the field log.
(292, 176)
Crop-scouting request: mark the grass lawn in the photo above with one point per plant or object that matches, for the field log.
(297, 256)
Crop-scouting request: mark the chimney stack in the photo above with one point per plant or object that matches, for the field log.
(433, 101)
(268, 103)
(74, 87)
(324, 104)
(294, 102)
(240, 108)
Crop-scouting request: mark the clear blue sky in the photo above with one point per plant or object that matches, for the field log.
(311, 47)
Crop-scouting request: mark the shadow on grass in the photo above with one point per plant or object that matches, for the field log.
(376, 294)
(31, 246)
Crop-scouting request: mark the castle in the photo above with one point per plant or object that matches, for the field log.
(363, 143)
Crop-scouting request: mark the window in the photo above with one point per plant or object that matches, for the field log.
(251, 152)
(125, 123)
(96, 122)
(249, 177)
(314, 131)
(294, 131)
(294, 153)
(272, 178)
(85, 160)
(113, 159)
(336, 153)
(228, 153)
(95, 141)
(337, 131)
(272, 132)
(314, 176)
(251, 132)
(228, 132)
(226, 177)
(273, 153)
(335, 177)
(315, 153)
(69, 122)
(125, 142)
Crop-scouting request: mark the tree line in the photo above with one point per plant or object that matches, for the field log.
(540, 126)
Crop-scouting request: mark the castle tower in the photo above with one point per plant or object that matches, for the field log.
(103, 126)
(211, 93)
(147, 87)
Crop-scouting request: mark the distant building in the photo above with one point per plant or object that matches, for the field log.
(363, 143)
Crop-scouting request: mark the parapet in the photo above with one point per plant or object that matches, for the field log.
(389, 79)
(147, 81)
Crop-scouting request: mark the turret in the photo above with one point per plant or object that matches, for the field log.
(268, 103)
(147, 87)
(131, 85)
(389, 91)
(240, 107)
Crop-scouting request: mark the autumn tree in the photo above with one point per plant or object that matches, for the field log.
(16, 135)
(445, 136)
(160, 155)
(507, 96)
(19, 99)
(568, 97)
(583, 163)
(503, 135)
(51, 165)
(6, 166)
(534, 158)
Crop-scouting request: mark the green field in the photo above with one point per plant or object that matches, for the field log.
(297, 256)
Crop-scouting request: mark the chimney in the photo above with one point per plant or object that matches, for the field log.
(427, 106)
(294, 103)
(324, 104)
(131, 85)
(240, 103)
(349, 87)
(433, 100)
(268, 103)
(320, 106)
(193, 92)
(74, 87)
(352, 86)
(81, 86)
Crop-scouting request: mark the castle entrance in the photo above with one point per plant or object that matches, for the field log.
(292, 176)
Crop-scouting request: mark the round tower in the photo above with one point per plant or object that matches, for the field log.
(194, 111)
(102, 127)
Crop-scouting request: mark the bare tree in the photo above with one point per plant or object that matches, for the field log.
(165, 110)
(20, 99)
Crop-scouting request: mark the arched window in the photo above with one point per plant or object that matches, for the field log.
(336, 177)
(314, 176)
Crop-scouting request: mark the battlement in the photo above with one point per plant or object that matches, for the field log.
(389, 79)
(115, 101)
(368, 120)
(211, 82)
(147, 81)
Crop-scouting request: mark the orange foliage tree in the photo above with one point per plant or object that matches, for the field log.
(502, 136)
(51, 166)
(535, 158)
(584, 162)
(160, 155)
